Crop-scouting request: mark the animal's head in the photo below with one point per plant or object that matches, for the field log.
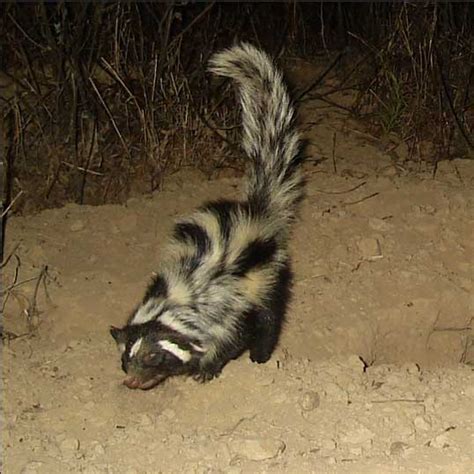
(151, 353)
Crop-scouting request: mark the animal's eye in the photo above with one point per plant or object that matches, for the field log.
(153, 359)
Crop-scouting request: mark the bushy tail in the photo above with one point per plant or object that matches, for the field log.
(270, 138)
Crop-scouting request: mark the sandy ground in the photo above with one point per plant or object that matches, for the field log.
(373, 373)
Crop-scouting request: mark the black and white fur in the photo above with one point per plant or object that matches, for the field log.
(223, 284)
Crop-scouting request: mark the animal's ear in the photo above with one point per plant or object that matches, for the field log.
(153, 359)
(118, 334)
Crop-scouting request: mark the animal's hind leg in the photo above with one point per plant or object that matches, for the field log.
(266, 329)
(266, 323)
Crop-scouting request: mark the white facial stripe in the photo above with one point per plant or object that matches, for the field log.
(147, 312)
(197, 348)
(174, 349)
(136, 347)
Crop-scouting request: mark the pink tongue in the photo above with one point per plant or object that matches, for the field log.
(133, 382)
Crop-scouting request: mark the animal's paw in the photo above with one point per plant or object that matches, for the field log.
(205, 376)
(259, 356)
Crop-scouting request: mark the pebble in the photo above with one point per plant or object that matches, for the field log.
(356, 451)
(309, 401)
(32, 467)
(431, 404)
(422, 423)
(369, 248)
(469, 391)
(412, 369)
(99, 469)
(83, 381)
(389, 172)
(355, 362)
(99, 449)
(399, 448)
(335, 393)
(405, 431)
(328, 444)
(175, 438)
(359, 435)
(258, 449)
(77, 226)
(168, 413)
(380, 224)
(71, 345)
(440, 441)
(233, 470)
(69, 445)
(145, 420)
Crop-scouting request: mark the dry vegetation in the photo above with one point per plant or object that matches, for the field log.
(100, 101)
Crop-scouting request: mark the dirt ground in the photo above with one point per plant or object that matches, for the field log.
(373, 373)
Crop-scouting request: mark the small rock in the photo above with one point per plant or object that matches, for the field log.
(412, 369)
(233, 470)
(83, 381)
(90, 405)
(310, 401)
(394, 379)
(353, 173)
(331, 460)
(356, 451)
(335, 393)
(93, 470)
(404, 431)
(131, 470)
(77, 226)
(431, 403)
(380, 225)
(398, 448)
(440, 441)
(359, 435)
(258, 449)
(99, 449)
(369, 248)
(389, 171)
(145, 420)
(328, 444)
(69, 445)
(469, 391)
(73, 344)
(168, 413)
(32, 467)
(175, 438)
(428, 209)
(422, 423)
(356, 363)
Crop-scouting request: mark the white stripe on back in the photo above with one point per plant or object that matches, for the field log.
(147, 312)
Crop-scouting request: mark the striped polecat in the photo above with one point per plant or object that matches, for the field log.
(223, 284)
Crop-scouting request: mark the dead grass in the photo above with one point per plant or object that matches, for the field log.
(103, 101)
